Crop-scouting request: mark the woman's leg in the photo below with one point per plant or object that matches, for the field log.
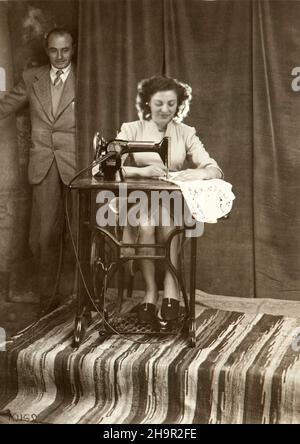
(171, 288)
(144, 234)
(147, 236)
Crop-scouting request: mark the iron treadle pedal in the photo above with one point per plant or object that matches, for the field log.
(128, 323)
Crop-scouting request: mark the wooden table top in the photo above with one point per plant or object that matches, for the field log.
(91, 183)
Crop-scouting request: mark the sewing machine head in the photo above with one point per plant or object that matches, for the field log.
(109, 154)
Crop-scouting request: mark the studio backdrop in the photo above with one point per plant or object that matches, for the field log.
(238, 56)
(242, 59)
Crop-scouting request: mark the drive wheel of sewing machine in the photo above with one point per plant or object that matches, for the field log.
(101, 256)
(106, 268)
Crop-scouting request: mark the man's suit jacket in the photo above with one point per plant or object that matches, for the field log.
(52, 138)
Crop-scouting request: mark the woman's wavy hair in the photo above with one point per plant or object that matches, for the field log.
(148, 87)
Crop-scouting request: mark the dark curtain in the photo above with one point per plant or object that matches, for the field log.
(120, 42)
(276, 149)
(208, 45)
(238, 57)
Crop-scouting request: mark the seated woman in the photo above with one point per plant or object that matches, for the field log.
(162, 104)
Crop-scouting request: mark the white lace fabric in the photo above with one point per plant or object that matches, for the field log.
(207, 200)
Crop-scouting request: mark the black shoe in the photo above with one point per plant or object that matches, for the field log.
(146, 313)
(169, 309)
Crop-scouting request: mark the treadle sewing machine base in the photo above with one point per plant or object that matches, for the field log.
(127, 325)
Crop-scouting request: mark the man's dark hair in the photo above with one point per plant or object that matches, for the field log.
(58, 31)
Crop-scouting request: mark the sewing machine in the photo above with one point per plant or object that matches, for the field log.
(102, 254)
(109, 154)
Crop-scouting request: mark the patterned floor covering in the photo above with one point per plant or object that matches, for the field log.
(245, 369)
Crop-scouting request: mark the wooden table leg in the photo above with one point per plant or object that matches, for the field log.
(83, 252)
(192, 323)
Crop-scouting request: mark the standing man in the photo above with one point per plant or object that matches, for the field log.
(50, 91)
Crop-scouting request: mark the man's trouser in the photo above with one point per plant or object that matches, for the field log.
(49, 236)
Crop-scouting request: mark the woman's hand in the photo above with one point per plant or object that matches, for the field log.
(199, 174)
(152, 171)
(147, 171)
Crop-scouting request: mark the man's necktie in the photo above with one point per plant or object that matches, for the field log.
(58, 80)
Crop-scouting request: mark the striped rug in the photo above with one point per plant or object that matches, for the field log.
(245, 369)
